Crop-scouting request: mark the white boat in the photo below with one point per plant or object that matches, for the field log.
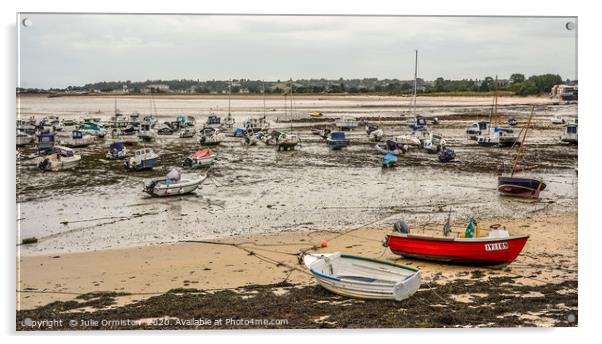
(143, 159)
(229, 122)
(128, 137)
(249, 138)
(495, 135)
(558, 120)
(257, 124)
(423, 134)
(365, 278)
(433, 143)
(346, 123)
(60, 158)
(211, 136)
(501, 137)
(570, 134)
(24, 138)
(68, 125)
(173, 184)
(147, 133)
(408, 140)
(201, 158)
(376, 135)
(76, 139)
(287, 141)
(187, 133)
(476, 129)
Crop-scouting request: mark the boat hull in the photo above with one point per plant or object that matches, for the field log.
(142, 165)
(520, 187)
(199, 163)
(337, 144)
(478, 251)
(366, 279)
(389, 159)
(155, 187)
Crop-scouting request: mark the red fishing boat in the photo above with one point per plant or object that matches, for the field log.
(496, 249)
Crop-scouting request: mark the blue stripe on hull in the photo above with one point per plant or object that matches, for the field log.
(522, 182)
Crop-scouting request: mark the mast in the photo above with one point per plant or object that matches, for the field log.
(415, 78)
(291, 119)
(229, 95)
(522, 143)
(495, 102)
(263, 86)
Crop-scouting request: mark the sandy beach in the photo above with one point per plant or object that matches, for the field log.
(144, 273)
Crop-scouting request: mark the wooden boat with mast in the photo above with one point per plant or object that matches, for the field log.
(520, 186)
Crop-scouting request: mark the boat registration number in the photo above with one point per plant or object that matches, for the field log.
(496, 247)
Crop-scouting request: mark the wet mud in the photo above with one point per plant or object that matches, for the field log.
(76, 210)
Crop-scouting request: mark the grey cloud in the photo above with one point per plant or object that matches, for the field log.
(61, 50)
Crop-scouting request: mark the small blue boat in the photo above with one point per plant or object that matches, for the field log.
(389, 160)
(337, 140)
(238, 132)
(117, 151)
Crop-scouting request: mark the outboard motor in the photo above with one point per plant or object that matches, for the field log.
(401, 227)
(43, 165)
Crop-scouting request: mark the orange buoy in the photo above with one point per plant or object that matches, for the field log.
(323, 243)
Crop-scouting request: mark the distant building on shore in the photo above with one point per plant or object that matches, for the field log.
(155, 88)
(564, 92)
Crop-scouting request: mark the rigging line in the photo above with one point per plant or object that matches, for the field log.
(251, 252)
(431, 289)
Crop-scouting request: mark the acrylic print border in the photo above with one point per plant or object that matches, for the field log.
(385, 16)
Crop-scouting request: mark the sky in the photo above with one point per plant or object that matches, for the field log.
(58, 50)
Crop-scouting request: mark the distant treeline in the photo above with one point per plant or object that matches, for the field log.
(517, 84)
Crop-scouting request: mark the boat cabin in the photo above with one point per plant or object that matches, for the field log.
(213, 120)
(143, 151)
(570, 134)
(63, 151)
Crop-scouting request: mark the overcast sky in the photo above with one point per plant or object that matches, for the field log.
(62, 50)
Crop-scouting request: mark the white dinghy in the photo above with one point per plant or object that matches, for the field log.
(173, 184)
(60, 159)
(362, 277)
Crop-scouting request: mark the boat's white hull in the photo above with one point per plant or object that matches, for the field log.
(212, 140)
(182, 187)
(64, 163)
(364, 278)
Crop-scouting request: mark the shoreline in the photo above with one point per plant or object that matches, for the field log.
(318, 96)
